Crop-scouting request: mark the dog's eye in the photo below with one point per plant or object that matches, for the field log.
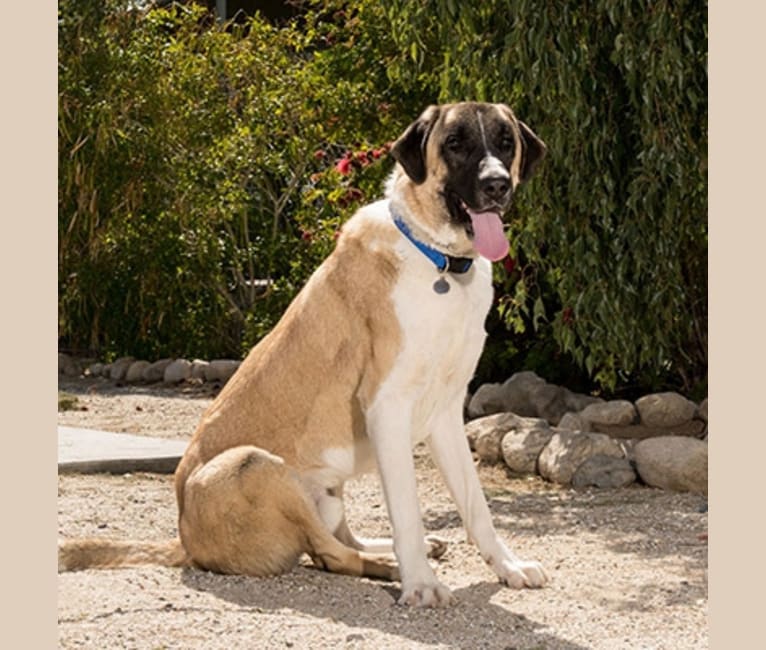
(453, 144)
(506, 143)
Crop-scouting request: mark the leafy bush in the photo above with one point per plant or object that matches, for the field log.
(186, 156)
(205, 170)
(614, 228)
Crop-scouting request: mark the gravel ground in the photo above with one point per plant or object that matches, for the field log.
(628, 567)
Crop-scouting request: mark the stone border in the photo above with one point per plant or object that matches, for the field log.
(132, 371)
(532, 426)
(660, 438)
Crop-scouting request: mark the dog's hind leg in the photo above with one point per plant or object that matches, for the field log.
(246, 512)
(332, 510)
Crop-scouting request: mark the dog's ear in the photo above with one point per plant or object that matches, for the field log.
(410, 149)
(533, 152)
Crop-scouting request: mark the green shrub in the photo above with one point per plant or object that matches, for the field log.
(187, 153)
(201, 173)
(614, 228)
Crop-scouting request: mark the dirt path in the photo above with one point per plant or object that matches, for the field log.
(628, 567)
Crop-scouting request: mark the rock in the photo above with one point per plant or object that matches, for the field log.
(221, 369)
(616, 412)
(553, 402)
(177, 371)
(576, 402)
(522, 444)
(574, 422)
(68, 366)
(693, 428)
(528, 395)
(665, 409)
(119, 368)
(485, 435)
(486, 400)
(135, 372)
(702, 411)
(567, 450)
(156, 371)
(517, 393)
(673, 463)
(198, 369)
(95, 369)
(604, 471)
(548, 401)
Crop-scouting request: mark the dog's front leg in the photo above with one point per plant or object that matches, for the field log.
(389, 425)
(450, 451)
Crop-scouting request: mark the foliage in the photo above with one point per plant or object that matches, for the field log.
(186, 157)
(205, 171)
(615, 225)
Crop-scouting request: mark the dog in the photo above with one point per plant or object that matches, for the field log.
(373, 356)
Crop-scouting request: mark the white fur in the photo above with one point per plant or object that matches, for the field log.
(422, 399)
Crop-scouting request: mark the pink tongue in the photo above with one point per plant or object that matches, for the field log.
(488, 236)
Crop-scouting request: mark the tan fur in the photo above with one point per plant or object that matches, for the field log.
(300, 390)
(256, 488)
(74, 555)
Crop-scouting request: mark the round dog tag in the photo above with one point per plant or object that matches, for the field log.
(441, 285)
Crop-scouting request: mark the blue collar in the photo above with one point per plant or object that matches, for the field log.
(443, 262)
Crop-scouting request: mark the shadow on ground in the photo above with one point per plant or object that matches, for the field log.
(468, 624)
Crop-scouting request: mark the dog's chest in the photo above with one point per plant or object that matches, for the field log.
(442, 335)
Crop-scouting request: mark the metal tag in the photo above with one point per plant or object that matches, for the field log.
(441, 285)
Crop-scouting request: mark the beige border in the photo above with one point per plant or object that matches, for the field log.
(737, 182)
(28, 244)
(28, 254)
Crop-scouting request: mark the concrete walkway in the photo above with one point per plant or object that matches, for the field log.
(88, 452)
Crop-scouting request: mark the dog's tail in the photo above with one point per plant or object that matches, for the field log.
(96, 553)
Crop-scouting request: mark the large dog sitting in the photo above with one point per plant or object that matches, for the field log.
(373, 356)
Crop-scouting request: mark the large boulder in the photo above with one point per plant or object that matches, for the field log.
(693, 428)
(665, 409)
(156, 371)
(572, 421)
(615, 412)
(487, 399)
(528, 395)
(522, 444)
(135, 371)
(673, 463)
(221, 369)
(198, 369)
(177, 371)
(519, 390)
(567, 450)
(485, 434)
(119, 368)
(604, 471)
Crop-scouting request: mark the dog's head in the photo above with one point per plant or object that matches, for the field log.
(459, 165)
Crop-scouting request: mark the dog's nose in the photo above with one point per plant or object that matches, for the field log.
(495, 187)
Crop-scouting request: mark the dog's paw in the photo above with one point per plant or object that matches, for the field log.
(421, 594)
(518, 574)
(435, 546)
